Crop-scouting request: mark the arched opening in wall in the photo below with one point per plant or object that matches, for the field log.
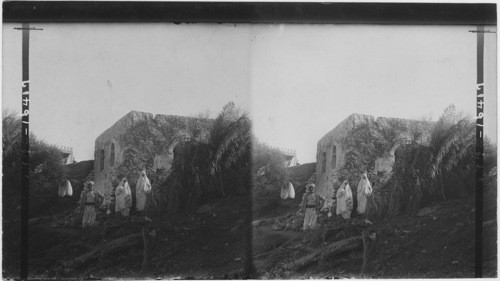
(101, 162)
(334, 157)
(398, 153)
(323, 163)
(112, 155)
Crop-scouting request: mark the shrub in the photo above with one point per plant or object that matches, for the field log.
(211, 167)
(268, 165)
(490, 155)
(445, 168)
(367, 143)
(11, 144)
(45, 168)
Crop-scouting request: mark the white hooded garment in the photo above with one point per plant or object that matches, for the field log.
(344, 196)
(69, 189)
(65, 188)
(287, 190)
(364, 189)
(284, 192)
(62, 190)
(123, 196)
(291, 190)
(142, 187)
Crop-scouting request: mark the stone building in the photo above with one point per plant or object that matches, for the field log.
(141, 140)
(333, 147)
(67, 153)
(290, 157)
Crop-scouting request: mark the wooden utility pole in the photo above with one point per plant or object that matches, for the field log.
(479, 149)
(479, 153)
(25, 146)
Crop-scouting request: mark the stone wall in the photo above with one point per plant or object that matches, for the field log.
(411, 127)
(103, 167)
(332, 148)
(325, 166)
(149, 140)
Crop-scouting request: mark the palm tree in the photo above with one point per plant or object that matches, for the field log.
(229, 144)
(202, 167)
(453, 145)
(426, 172)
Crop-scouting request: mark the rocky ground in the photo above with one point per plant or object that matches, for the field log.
(212, 242)
(438, 242)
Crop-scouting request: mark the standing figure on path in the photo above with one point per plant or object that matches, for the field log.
(142, 187)
(363, 191)
(123, 197)
(310, 202)
(344, 200)
(89, 198)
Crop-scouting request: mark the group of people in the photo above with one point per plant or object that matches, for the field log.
(311, 202)
(345, 199)
(122, 203)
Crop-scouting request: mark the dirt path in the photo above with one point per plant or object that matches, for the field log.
(211, 243)
(439, 244)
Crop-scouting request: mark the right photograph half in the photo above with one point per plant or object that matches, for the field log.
(369, 144)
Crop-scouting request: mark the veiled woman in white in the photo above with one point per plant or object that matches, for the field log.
(142, 187)
(344, 200)
(65, 188)
(123, 198)
(363, 191)
(287, 190)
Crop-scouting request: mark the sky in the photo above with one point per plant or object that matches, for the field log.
(84, 77)
(308, 78)
(296, 81)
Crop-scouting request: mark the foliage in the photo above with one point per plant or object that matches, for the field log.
(46, 171)
(11, 144)
(215, 166)
(45, 167)
(490, 155)
(367, 142)
(141, 142)
(147, 138)
(268, 165)
(268, 176)
(445, 168)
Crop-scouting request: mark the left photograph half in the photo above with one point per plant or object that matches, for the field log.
(139, 150)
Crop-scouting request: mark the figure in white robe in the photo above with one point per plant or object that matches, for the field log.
(310, 203)
(123, 197)
(65, 188)
(287, 190)
(344, 200)
(291, 190)
(284, 192)
(363, 191)
(142, 187)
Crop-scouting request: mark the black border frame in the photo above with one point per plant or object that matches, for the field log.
(250, 12)
(258, 12)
